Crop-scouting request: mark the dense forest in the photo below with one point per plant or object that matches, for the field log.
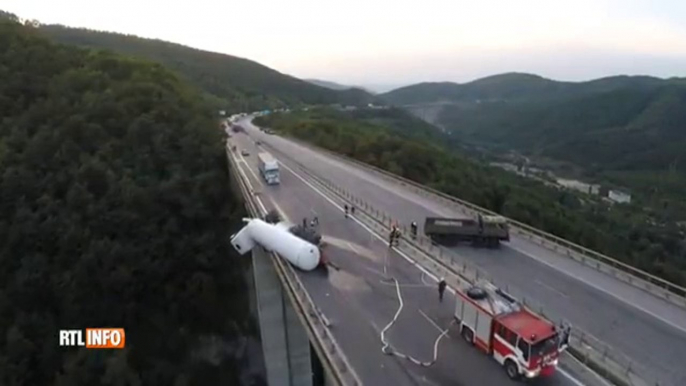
(244, 84)
(115, 206)
(617, 123)
(626, 129)
(620, 231)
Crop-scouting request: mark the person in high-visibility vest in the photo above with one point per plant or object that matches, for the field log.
(393, 238)
(395, 234)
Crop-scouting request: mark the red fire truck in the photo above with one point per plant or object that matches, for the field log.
(525, 343)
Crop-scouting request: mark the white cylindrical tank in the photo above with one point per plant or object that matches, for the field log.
(297, 251)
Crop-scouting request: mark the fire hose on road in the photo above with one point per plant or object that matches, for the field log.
(388, 350)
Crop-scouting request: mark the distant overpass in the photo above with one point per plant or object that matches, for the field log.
(643, 331)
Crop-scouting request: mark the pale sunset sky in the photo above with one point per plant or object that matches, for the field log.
(381, 44)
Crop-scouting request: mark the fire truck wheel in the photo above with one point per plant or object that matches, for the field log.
(511, 369)
(468, 335)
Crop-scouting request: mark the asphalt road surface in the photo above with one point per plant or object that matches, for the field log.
(360, 304)
(648, 330)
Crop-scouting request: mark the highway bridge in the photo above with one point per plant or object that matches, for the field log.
(638, 335)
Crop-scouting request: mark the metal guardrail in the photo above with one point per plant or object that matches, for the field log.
(334, 360)
(597, 355)
(638, 278)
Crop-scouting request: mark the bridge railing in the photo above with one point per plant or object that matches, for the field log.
(597, 355)
(334, 361)
(664, 289)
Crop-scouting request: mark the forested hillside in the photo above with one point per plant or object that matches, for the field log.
(628, 131)
(245, 84)
(616, 123)
(513, 87)
(395, 119)
(115, 208)
(621, 232)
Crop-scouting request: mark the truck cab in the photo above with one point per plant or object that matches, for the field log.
(523, 342)
(526, 345)
(269, 168)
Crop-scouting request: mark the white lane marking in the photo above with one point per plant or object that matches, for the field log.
(570, 377)
(431, 321)
(281, 211)
(403, 285)
(259, 181)
(424, 281)
(592, 285)
(551, 288)
(352, 246)
(429, 274)
(247, 181)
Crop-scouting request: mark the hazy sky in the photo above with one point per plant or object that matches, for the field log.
(404, 41)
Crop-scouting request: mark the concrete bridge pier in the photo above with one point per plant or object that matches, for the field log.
(285, 343)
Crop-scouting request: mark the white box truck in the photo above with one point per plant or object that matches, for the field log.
(269, 168)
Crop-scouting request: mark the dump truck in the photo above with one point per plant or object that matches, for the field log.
(483, 231)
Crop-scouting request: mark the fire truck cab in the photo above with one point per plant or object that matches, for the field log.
(525, 343)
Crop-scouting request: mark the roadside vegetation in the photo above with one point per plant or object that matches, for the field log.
(115, 208)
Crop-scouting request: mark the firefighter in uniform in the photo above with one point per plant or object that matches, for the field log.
(441, 289)
(392, 235)
(395, 235)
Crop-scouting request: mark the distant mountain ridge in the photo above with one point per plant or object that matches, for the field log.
(327, 84)
(241, 82)
(515, 87)
(336, 86)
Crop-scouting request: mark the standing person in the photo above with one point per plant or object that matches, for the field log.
(304, 222)
(441, 289)
(346, 210)
(352, 209)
